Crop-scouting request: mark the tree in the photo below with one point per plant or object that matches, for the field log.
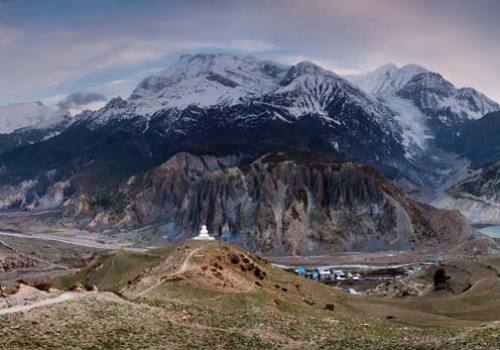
(440, 279)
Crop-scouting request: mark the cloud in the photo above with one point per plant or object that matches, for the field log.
(252, 45)
(79, 99)
(79, 47)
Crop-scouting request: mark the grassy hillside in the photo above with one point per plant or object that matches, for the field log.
(201, 295)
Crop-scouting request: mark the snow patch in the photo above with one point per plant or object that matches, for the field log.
(412, 123)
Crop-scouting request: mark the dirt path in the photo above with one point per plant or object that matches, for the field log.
(51, 301)
(183, 268)
(186, 263)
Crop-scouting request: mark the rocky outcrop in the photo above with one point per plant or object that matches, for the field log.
(12, 262)
(477, 195)
(279, 204)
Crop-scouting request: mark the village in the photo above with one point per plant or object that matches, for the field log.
(357, 279)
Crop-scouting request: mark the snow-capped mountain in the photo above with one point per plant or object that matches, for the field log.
(33, 115)
(242, 94)
(242, 108)
(247, 93)
(435, 95)
(226, 104)
(223, 80)
(309, 89)
(430, 92)
(206, 80)
(429, 109)
(219, 104)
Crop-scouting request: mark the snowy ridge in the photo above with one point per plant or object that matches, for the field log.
(409, 104)
(431, 92)
(33, 115)
(310, 89)
(473, 104)
(387, 79)
(421, 100)
(428, 90)
(221, 80)
(206, 80)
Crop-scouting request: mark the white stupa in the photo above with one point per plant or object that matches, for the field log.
(204, 236)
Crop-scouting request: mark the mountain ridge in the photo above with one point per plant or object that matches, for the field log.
(302, 107)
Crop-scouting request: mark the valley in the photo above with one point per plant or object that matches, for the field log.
(373, 179)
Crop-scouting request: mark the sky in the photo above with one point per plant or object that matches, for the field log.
(80, 53)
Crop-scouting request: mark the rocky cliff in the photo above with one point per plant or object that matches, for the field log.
(278, 204)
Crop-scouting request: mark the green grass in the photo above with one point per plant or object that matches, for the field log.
(479, 299)
(424, 276)
(111, 272)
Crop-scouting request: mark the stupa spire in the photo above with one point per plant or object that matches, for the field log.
(203, 235)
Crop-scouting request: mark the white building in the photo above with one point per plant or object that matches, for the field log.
(203, 235)
(339, 275)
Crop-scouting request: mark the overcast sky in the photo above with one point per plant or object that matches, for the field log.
(73, 51)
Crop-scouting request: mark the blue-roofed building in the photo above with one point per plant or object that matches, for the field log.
(300, 271)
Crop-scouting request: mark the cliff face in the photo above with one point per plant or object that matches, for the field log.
(477, 195)
(277, 204)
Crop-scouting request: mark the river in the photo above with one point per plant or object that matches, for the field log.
(491, 231)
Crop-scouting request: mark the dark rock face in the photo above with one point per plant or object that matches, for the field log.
(277, 205)
(105, 155)
(121, 148)
(478, 140)
(26, 137)
(477, 195)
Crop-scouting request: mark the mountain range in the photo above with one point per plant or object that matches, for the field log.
(110, 167)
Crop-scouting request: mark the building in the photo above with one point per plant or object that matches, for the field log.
(339, 275)
(203, 235)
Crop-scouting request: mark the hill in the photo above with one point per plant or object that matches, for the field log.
(204, 295)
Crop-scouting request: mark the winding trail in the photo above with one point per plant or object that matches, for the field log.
(183, 268)
(186, 263)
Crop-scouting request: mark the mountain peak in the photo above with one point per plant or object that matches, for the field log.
(307, 66)
(387, 79)
(207, 79)
(388, 67)
(306, 69)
